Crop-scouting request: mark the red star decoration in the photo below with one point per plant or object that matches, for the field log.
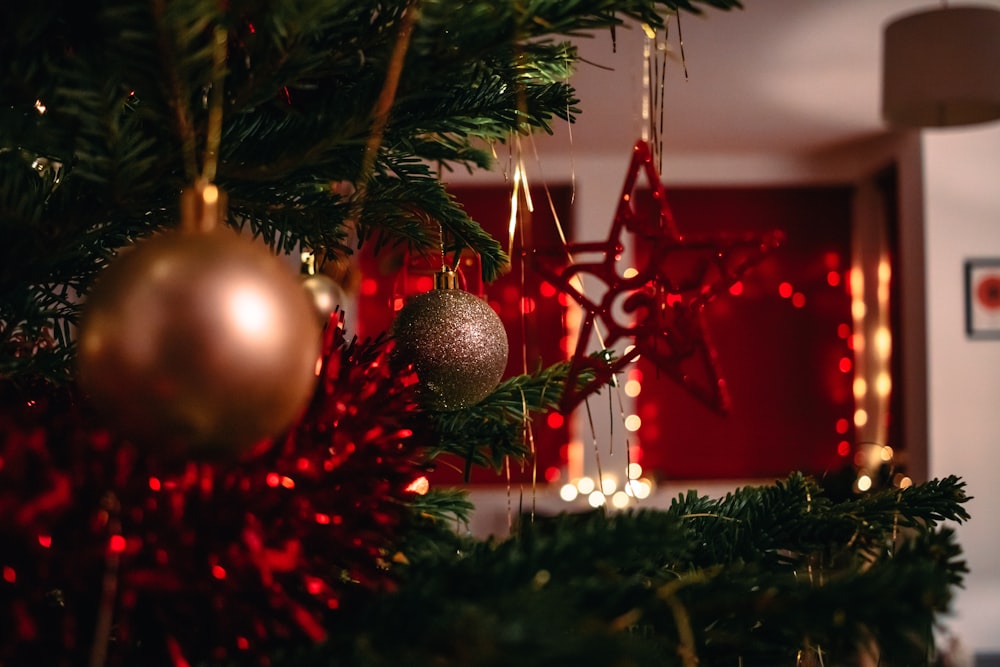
(660, 303)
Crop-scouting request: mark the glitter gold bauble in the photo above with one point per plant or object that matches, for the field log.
(456, 344)
(198, 344)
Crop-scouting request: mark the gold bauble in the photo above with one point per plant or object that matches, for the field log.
(198, 344)
(326, 294)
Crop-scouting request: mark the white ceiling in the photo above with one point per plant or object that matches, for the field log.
(779, 76)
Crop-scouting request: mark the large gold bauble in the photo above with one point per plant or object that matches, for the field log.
(198, 344)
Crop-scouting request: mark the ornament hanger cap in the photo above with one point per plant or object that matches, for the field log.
(203, 207)
(445, 279)
(307, 265)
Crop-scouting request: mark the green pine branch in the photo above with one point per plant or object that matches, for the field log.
(608, 589)
(789, 522)
(124, 87)
(494, 430)
(442, 505)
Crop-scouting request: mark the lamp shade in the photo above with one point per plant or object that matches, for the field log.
(942, 67)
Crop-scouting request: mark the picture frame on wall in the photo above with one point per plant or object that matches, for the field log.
(982, 298)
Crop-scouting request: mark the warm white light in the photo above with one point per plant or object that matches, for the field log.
(250, 311)
(585, 485)
(884, 271)
(633, 423)
(905, 483)
(596, 499)
(512, 223)
(864, 483)
(887, 453)
(634, 470)
(642, 488)
(420, 486)
(39, 107)
(630, 272)
(860, 417)
(568, 493)
(860, 387)
(609, 485)
(883, 384)
(883, 342)
(858, 309)
(628, 349)
(620, 500)
(633, 388)
(857, 279)
(883, 294)
(210, 195)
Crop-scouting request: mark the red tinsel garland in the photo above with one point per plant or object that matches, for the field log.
(180, 564)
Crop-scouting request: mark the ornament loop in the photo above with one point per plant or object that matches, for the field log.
(203, 207)
(446, 278)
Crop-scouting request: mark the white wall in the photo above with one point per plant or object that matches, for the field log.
(962, 190)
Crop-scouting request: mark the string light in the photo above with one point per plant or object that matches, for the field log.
(883, 342)
(641, 488)
(869, 283)
(609, 485)
(635, 488)
(901, 481)
(883, 384)
(860, 387)
(420, 486)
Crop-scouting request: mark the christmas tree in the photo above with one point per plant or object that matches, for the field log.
(195, 468)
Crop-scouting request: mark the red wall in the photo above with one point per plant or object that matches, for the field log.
(786, 360)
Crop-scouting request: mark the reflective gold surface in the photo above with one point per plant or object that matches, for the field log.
(198, 343)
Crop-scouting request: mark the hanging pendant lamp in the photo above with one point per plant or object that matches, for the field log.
(941, 67)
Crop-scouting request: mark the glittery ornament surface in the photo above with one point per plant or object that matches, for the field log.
(457, 345)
